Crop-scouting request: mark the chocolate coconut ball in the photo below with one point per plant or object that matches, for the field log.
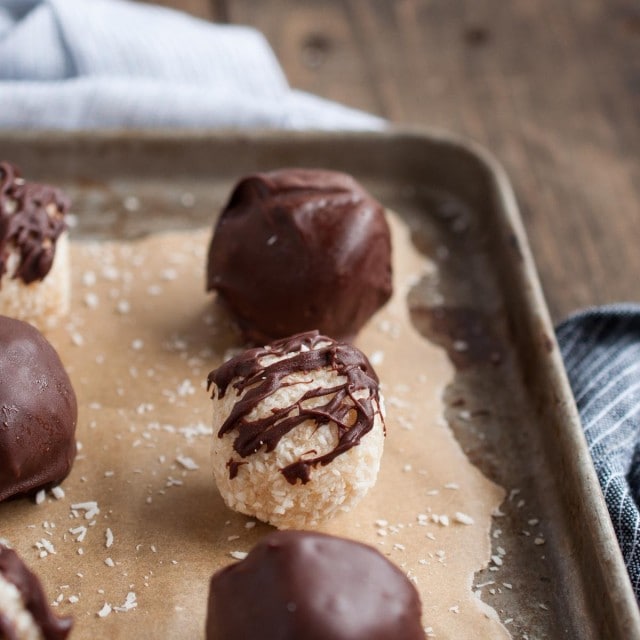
(300, 249)
(298, 430)
(38, 412)
(24, 613)
(298, 585)
(34, 252)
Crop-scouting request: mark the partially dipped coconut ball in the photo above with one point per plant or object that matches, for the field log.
(38, 412)
(300, 249)
(24, 610)
(298, 430)
(35, 278)
(301, 585)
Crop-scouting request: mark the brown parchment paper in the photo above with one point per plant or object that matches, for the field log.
(138, 345)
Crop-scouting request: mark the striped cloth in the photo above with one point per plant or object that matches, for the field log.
(74, 64)
(601, 350)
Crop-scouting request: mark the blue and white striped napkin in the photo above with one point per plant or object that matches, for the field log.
(601, 351)
(77, 64)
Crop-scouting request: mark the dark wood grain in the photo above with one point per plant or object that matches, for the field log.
(551, 87)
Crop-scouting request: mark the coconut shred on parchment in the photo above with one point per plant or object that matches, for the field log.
(132, 541)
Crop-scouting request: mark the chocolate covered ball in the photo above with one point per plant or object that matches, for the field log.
(24, 613)
(298, 430)
(300, 249)
(38, 412)
(298, 585)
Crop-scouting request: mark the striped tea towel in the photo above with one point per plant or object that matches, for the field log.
(77, 64)
(601, 350)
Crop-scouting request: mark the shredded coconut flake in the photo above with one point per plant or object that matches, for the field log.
(77, 339)
(131, 203)
(187, 463)
(199, 429)
(129, 603)
(91, 300)
(80, 532)
(185, 388)
(123, 307)
(187, 199)
(463, 518)
(45, 545)
(91, 509)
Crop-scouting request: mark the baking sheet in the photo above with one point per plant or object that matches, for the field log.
(506, 403)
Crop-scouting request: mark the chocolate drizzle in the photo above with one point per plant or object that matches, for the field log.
(14, 571)
(353, 417)
(31, 221)
(233, 466)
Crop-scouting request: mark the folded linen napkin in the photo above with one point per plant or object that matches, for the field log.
(74, 64)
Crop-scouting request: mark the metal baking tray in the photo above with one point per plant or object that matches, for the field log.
(509, 405)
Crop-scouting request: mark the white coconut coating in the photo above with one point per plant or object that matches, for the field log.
(44, 302)
(261, 490)
(13, 609)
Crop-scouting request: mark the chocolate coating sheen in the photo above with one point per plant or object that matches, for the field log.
(313, 352)
(301, 249)
(38, 412)
(31, 221)
(14, 571)
(297, 585)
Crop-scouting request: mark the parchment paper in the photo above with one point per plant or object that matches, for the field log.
(139, 343)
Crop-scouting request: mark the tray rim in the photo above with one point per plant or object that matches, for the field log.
(622, 599)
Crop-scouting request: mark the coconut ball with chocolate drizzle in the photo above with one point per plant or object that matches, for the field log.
(298, 430)
(34, 252)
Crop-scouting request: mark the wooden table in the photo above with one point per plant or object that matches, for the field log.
(551, 87)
